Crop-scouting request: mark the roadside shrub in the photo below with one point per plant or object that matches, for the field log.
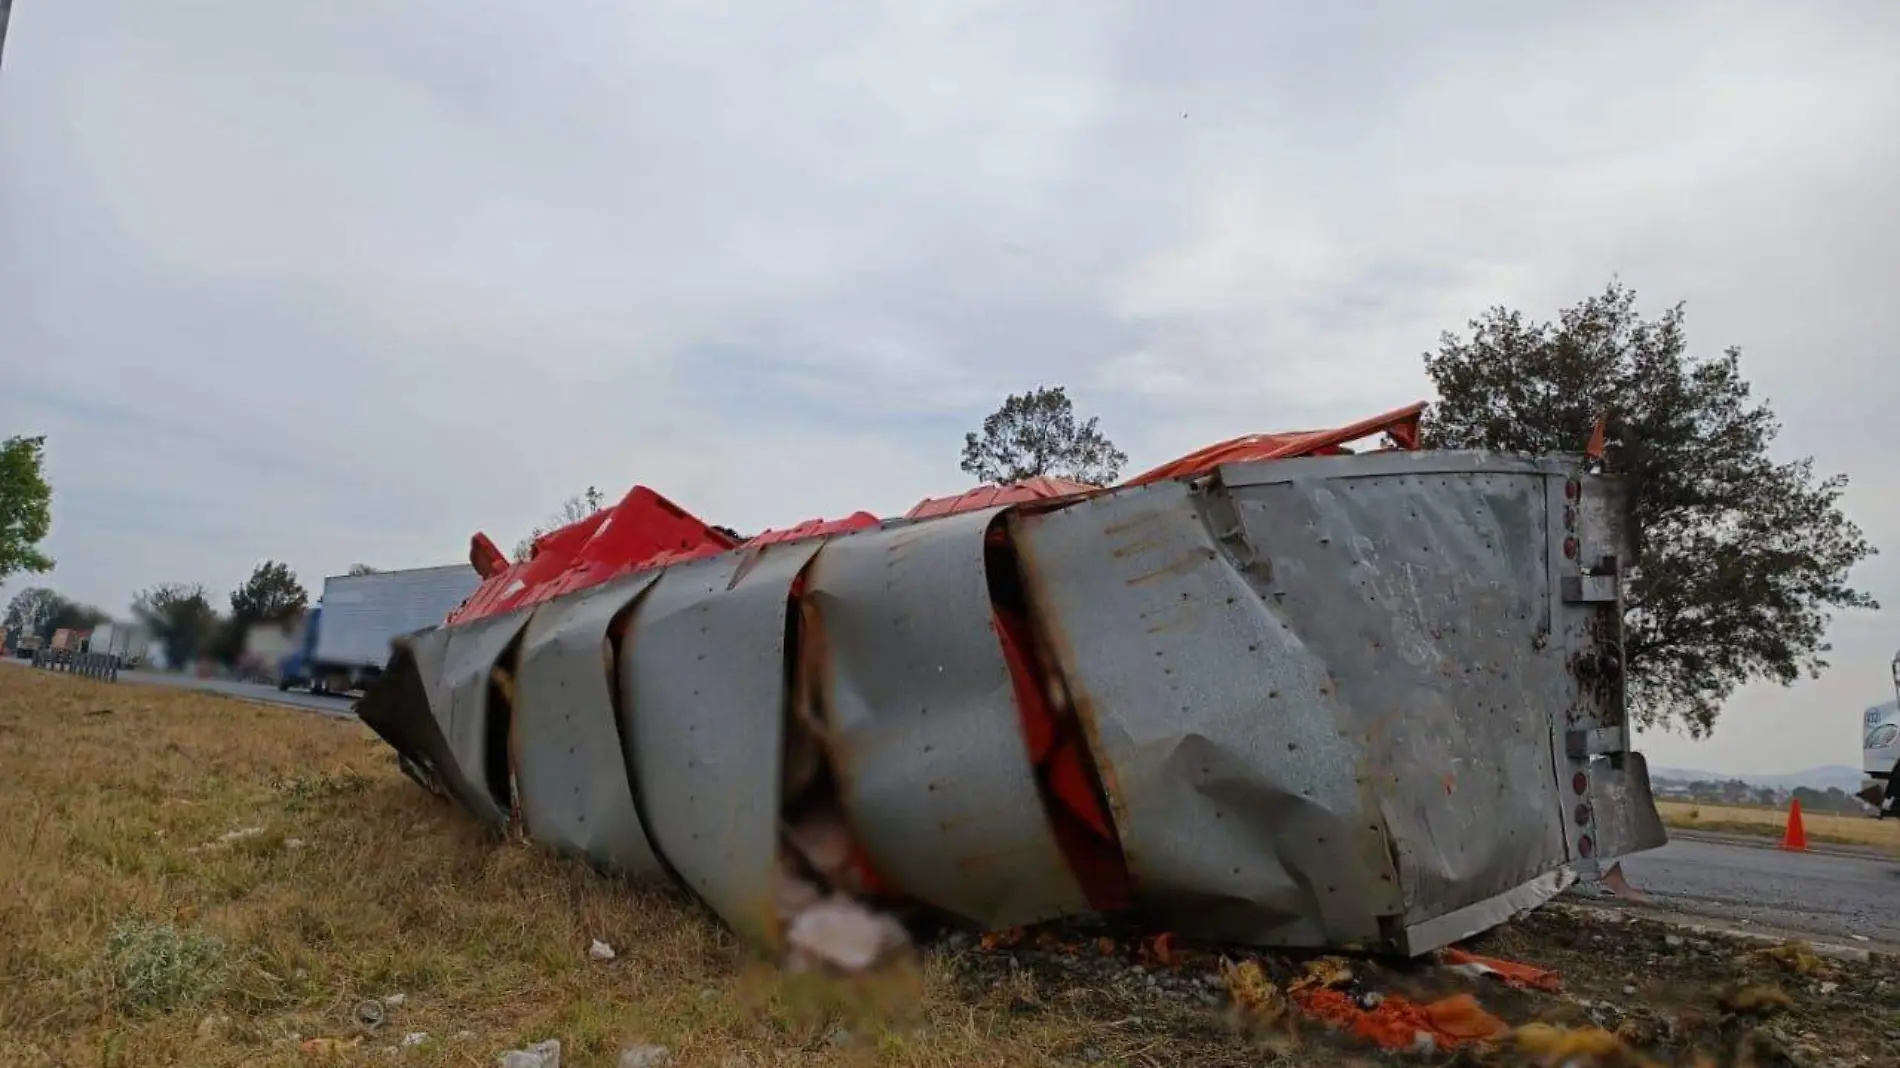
(156, 969)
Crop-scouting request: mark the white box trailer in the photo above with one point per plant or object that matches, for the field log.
(362, 614)
(127, 641)
(347, 635)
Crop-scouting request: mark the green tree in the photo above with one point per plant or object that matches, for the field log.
(573, 510)
(360, 569)
(33, 611)
(271, 595)
(180, 616)
(1744, 556)
(26, 506)
(1035, 434)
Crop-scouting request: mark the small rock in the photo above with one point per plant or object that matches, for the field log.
(394, 1001)
(414, 1039)
(540, 1055)
(1829, 988)
(1091, 1054)
(1629, 991)
(839, 1037)
(1673, 941)
(293, 843)
(601, 950)
(707, 993)
(213, 1026)
(1860, 938)
(645, 1057)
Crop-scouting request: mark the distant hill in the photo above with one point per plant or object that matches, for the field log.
(1846, 779)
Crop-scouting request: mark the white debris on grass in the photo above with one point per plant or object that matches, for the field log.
(842, 934)
(645, 1057)
(414, 1039)
(227, 838)
(601, 950)
(540, 1055)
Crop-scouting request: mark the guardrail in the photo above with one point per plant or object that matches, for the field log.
(101, 666)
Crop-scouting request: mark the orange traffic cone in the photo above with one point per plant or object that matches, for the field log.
(1796, 836)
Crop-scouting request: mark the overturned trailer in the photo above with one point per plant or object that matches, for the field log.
(1274, 693)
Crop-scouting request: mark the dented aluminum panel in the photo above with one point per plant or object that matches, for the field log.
(705, 680)
(570, 766)
(1240, 807)
(1422, 583)
(924, 725)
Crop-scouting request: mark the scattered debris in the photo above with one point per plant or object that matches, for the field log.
(395, 1001)
(1797, 958)
(1555, 1046)
(545, 1054)
(414, 1039)
(293, 843)
(841, 935)
(226, 839)
(1521, 976)
(600, 950)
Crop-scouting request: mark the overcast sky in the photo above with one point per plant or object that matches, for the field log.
(348, 281)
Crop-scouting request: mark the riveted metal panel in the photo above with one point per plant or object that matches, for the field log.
(410, 706)
(926, 735)
(703, 672)
(1425, 589)
(1236, 798)
(571, 769)
(479, 745)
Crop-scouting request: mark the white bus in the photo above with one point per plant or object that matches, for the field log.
(1880, 752)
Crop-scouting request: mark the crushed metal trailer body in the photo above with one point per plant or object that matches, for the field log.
(1367, 700)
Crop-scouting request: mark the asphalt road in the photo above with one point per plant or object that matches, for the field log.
(1819, 894)
(250, 691)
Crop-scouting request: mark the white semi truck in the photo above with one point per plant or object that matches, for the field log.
(1880, 752)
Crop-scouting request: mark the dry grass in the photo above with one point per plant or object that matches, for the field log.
(1772, 822)
(130, 935)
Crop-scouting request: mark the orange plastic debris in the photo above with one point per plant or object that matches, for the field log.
(1163, 945)
(1400, 424)
(1522, 976)
(1395, 1023)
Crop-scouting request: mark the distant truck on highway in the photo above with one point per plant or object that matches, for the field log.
(344, 642)
(1880, 752)
(127, 641)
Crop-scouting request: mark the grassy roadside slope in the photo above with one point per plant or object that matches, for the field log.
(341, 880)
(1771, 823)
(189, 879)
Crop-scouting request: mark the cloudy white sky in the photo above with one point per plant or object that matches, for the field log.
(347, 281)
